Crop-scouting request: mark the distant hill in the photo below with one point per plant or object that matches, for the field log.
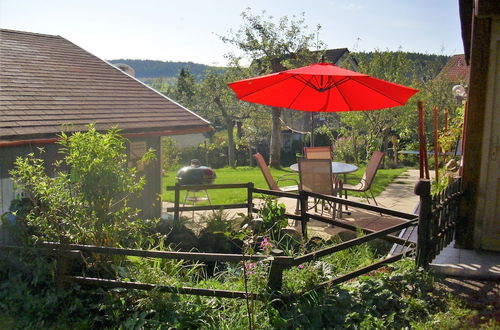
(145, 69)
(149, 70)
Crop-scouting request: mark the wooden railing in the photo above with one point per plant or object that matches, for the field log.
(65, 252)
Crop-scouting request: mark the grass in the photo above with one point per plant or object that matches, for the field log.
(246, 174)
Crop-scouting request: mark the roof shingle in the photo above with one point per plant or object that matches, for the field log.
(47, 82)
(456, 70)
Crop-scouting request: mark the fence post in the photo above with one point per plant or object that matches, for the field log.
(176, 202)
(303, 212)
(423, 189)
(62, 266)
(275, 281)
(250, 186)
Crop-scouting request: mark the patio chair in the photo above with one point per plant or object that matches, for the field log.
(316, 176)
(365, 184)
(273, 184)
(318, 152)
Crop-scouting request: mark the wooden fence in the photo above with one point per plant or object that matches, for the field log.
(438, 217)
(438, 226)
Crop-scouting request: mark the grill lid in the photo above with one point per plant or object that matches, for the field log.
(196, 175)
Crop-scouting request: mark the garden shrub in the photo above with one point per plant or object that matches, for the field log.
(87, 200)
(171, 153)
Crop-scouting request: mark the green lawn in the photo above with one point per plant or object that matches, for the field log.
(253, 174)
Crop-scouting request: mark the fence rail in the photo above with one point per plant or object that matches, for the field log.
(436, 222)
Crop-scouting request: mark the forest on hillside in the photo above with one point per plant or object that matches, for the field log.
(146, 70)
(163, 69)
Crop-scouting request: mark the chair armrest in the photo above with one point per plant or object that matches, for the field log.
(284, 178)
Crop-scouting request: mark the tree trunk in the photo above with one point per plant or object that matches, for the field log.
(355, 148)
(231, 148)
(275, 154)
(275, 147)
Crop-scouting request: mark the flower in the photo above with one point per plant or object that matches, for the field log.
(300, 266)
(266, 244)
(250, 267)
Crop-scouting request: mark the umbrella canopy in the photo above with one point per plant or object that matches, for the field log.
(322, 87)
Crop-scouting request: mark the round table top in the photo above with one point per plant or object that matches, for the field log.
(337, 168)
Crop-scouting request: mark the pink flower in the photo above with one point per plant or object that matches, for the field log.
(266, 244)
(300, 266)
(250, 267)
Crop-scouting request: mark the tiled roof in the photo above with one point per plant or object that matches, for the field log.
(456, 70)
(334, 55)
(47, 83)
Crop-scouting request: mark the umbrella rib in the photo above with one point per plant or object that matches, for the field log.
(378, 91)
(342, 94)
(319, 84)
(298, 94)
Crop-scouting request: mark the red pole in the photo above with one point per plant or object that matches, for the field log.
(446, 119)
(420, 106)
(424, 165)
(436, 144)
(446, 131)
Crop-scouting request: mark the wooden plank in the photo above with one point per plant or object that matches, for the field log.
(345, 245)
(358, 272)
(163, 288)
(378, 209)
(207, 207)
(208, 186)
(389, 238)
(52, 252)
(250, 205)
(275, 193)
(165, 254)
(424, 246)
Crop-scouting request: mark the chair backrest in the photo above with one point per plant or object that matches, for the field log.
(372, 168)
(318, 152)
(316, 175)
(265, 171)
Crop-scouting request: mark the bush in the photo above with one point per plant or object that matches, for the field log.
(171, 154)
(88, 203)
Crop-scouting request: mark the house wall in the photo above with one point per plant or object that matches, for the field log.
(8, 191)
(8, 156)
(487, 224)
(189, 140)
(150, 199)
(478, 225)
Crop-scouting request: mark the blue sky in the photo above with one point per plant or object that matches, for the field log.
(187, 30)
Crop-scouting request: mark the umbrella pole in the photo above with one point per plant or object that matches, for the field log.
(312, 129)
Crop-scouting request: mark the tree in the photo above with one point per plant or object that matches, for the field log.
(217, 102)
(274, 47)
(397, 125)
(184, 89)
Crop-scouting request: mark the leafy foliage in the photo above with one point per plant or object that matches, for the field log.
(171, 153)
(274, 46)
(273, 215)
(87, 199)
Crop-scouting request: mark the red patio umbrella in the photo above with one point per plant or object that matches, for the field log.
(322, 87)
